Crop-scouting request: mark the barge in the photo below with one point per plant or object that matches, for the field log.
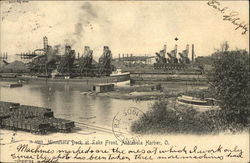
(116, 77)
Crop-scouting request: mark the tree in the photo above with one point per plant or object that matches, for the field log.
(230, 79)
(223, 47)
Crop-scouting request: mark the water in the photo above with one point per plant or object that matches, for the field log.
(66, 101)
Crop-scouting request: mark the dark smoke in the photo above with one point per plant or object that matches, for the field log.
(87, 14)
(89, 9)
(57, 49)
(53, 54)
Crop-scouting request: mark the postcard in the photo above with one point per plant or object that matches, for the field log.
(124, 81)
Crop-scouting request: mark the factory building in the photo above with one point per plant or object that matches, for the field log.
(131, 59)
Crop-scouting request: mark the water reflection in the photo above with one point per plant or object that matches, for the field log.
(67, 102)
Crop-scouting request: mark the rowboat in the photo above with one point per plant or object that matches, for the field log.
(198, 103)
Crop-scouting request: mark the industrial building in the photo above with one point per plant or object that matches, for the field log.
(170, 61)
(139, 59)
(47, 60)
(101, 88)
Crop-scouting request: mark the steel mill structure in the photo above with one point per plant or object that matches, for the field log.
(48, 62)
(169, 61)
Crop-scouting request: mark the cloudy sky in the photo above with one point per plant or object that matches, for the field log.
(126, 27)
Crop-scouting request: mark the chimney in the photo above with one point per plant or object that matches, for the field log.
(187, 50)
(164, 50)
(5, 55)
(192, 52)
(175, 50)
(45, 43)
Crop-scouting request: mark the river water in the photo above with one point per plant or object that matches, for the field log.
(66, 101)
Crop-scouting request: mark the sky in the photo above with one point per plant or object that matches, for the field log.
(138, 27)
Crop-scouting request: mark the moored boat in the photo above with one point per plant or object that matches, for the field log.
(198, 103)
(120, 78)
(13, 85)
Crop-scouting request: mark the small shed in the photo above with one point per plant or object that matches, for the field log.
(100, 88)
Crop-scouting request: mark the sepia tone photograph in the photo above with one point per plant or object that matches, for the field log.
(124, 81)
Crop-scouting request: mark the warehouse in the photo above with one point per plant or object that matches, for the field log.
(100, 88)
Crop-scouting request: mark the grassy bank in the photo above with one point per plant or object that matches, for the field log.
(145, 92)
(163, 118)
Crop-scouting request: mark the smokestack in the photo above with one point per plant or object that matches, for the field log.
(175, 50)
(45, 43)
(5, 55)
(164, 50)
(187, 48)
(192, 52)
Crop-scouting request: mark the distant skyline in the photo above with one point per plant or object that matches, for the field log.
(138, 27)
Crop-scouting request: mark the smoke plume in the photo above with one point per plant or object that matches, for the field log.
(86, 16)
(53, 53)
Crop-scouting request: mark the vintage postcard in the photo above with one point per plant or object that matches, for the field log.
(124, 81)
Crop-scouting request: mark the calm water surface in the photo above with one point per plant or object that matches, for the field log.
(67, 102)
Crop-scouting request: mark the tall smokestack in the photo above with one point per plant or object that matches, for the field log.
(5, 55)
(45, 43)
(187, 48)
(164, 50)
(175, 50)
(192, 52)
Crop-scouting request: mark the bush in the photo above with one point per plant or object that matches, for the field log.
(164, 119)
(231, 86)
